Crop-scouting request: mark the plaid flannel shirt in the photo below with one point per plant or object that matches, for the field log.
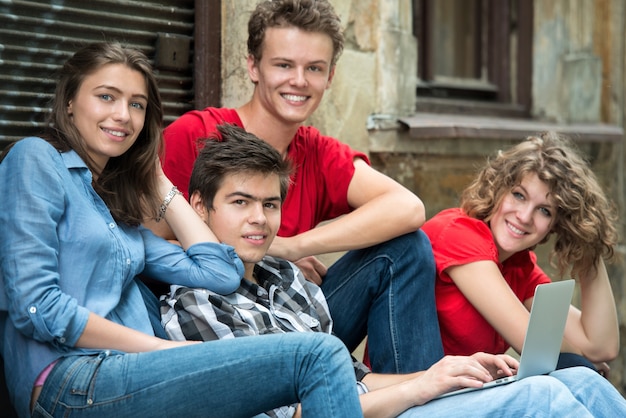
(282, 301)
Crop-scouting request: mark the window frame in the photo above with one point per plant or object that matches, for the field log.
(496, 96)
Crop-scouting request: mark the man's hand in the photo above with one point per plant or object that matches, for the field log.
(454, 372)
(286, 248)
(312, 269)
(499, 365)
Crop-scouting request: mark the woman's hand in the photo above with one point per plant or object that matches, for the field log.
(603, 369)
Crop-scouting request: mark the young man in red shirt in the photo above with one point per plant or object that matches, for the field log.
(383, 287)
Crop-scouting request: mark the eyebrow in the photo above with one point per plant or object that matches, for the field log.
(317, 62)
(115, 89)
(252, 197)
(548, 202)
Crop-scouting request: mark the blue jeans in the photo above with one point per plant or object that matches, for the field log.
(228, 378)
(572, 360)
(573, 392)
(387, 292)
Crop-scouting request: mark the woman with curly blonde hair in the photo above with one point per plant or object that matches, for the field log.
(487, 271)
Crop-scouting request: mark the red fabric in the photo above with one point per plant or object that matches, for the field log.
(323, 167)
(458, 239)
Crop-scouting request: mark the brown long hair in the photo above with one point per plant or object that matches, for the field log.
(127, 184)
(585, 220)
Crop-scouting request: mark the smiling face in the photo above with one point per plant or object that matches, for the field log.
(293, 73)
(524, 217)
(245, 214)
(109, 111)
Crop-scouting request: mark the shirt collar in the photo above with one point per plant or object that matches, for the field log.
(73, 161)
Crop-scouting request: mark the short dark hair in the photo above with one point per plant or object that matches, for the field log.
(235, 151)
(308, 15)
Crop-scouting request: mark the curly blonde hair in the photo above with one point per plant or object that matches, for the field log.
(585, 220)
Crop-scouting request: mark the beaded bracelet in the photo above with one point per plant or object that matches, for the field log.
(166, 202)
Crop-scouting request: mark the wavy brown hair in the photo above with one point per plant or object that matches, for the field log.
(584, 226)
(307, 15)
(128, 183)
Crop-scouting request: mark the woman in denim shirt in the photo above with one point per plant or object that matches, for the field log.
(76, 335)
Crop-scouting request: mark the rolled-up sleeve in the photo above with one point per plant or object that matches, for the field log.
(207, 265)
(29, 245)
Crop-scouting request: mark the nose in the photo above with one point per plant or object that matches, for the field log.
(299, 78)
(525, 213)
(121, 111)
(257, 214)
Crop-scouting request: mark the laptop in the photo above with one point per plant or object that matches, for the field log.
(542, 344)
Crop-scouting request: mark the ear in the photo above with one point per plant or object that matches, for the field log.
(198, 206)
(330, 77)
(253, 69)
(70, 112)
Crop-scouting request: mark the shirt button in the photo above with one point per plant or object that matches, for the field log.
(112, 225)
(32, 310)
(62, 340)
(128, 261)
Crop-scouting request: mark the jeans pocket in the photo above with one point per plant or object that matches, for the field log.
(71, 382)
(40, 412)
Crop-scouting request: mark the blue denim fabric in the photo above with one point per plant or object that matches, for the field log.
(62, 255)
(388, 292)
(594, 391)
(572, 360)
(573, 392)
(228, 378)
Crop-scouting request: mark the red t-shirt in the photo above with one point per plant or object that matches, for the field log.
(323, 167)
(458, 239)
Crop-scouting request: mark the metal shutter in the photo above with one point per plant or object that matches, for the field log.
(36, 37)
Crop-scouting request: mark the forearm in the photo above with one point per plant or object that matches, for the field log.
(376, 381)
(391, 394)
(598, 317)
(100, 333)
(383, 218)
(186, 225)
(388, 402)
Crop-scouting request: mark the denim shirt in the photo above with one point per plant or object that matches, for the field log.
(62, 255)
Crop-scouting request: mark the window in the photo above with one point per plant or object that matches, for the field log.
(476, 51)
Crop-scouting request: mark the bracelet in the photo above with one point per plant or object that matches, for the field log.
(166, 202)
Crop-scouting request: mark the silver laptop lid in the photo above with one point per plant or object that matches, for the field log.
(546, 326)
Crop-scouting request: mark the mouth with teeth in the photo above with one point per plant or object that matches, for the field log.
(118, 134)
(255, 237)
(515, 230)
(294, 98)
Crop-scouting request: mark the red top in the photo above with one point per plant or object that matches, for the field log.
(458, 239)
(323, 167)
